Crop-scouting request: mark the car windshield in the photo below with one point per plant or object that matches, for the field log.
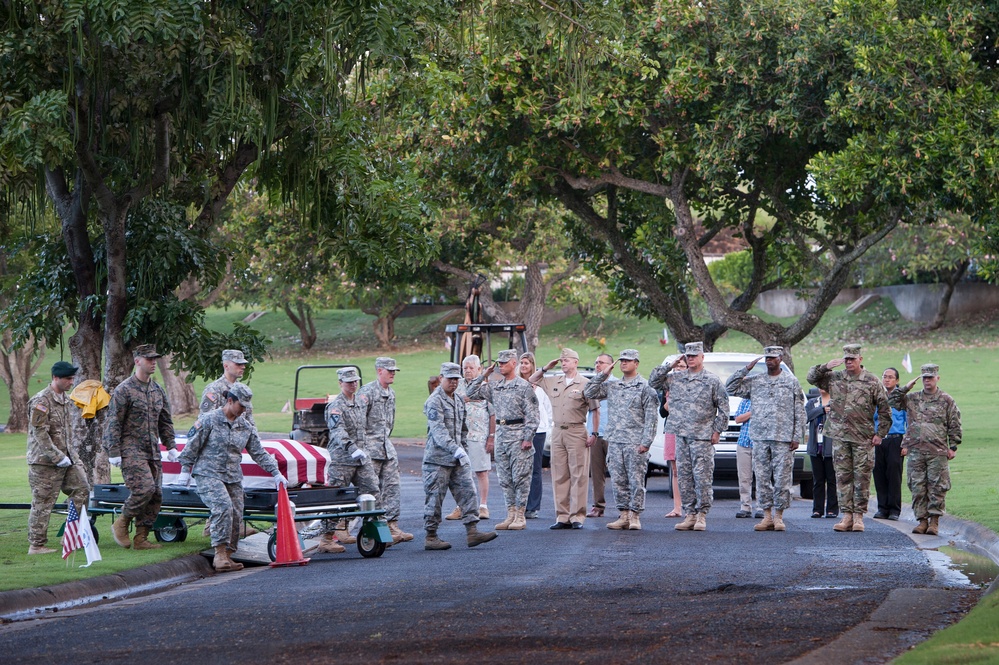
(725, 369)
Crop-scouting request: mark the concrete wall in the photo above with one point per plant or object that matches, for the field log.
(915, 302)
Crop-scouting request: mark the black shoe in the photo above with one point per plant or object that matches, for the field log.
(758, 515)
(880, 515)
(832, 515)
(560, 525)
(893, 517)
(816, 514)
(744, 513)
(577, 525)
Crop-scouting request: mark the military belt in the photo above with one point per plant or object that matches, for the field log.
(570, 425)
(513, 421)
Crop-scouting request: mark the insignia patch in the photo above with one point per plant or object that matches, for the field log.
(433, 414)
(334, 418)
(41, 407)
(210, 396)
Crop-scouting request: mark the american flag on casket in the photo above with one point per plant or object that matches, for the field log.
(299, 462)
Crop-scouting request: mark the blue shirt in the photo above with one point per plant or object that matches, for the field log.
(899, 421)
(744, 407)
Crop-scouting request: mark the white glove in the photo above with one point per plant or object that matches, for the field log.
(461, 456)
(171, 455)
(280, 480)
(359, 454)
(64, 462)
(184, 478)
(114, 461)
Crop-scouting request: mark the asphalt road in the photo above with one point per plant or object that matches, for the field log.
(589, 596)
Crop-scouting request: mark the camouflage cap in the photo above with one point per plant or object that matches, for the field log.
(773, 352)
(693, 349)
(628, 354)
(450, 371)
(851, 351)
(234, 356)
(386, 363)
(242, 393)
(63, 369)
(506, 355)
(929, 370)
(569, 353)
(146, 351)
(348, 374)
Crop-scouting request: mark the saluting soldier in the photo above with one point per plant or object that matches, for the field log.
(632, 409)
(446, 462)
(931, 441)
(53, 463)
(213, 396)
(517, 419)
(138, 421)
(212, 456)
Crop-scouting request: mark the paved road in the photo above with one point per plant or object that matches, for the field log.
(591, 596)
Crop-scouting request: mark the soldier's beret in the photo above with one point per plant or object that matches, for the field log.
(63, 369)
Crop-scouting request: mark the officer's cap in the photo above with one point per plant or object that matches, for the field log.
(569, 353)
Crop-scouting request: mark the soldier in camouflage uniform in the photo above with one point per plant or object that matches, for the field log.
(53, 464)
(233, 366)
(854, 396)
(481, 424)
(346, 417)
(138, 421)
(385, 460)
(213, 455)
(517, 419)
(698, 414)
(632, 410)
(930, 443)
(446, 463)
(777, 428)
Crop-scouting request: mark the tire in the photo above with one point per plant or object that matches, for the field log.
(93, 529)
(369, 547)
(175, 533)
(806, 488)
(272, 545)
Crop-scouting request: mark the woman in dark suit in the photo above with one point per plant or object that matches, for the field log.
(820, 450)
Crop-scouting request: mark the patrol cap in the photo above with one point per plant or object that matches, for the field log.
(146, 351)
(242, 393)
(450, 371)
(569, 353)
(506, 355)
(929, 370)
(628, 354)
(773, 352)
(348, 374)
(63, 369)
(386, 363)
(693, 348)
(234, 356)
(851, 351)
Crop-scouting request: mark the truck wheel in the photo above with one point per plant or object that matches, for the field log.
(369, 547)
(174, 533)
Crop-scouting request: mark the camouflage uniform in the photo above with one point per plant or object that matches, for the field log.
(477, 413)
(698, 408)
(212, 456)
(384, 459)
(441, 471)
(850, 424)
(632, 410)
(346, 420)
(213, 397)
(934, 427)
(138, 420)
(49, 436)
(778, 420)
(517, 419)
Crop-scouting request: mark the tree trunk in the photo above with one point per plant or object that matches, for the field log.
(16, 368)
(178, 390)
(384, 324)
(950, 282)
(303, 320)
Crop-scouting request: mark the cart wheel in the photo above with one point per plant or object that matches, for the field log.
(175, 533)
(93, 529)
(272, 545)
(369, 547)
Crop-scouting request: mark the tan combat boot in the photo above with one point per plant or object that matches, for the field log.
(634, 524)
(858, 523)
(120, 530)
(845, 524)
(329, 545)
(483, 512)
(141, 542)
(222, 563)
(767, 524)
(454, 514)
(519, 519)
(40, 549)
(700, 522)
(934, 526)
(476, 537)
(432, 542)
(344, 537)
(922, 527)
(779, 521)
(621, 522)
(687, 524)
(511, 514)
(398, 535)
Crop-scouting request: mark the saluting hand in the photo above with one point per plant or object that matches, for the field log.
(834, 363)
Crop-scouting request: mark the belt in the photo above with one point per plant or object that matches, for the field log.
(888, 436)
(571, 425)
(512, 421)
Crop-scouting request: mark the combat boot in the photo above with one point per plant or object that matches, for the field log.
(858, 523)
(476, 537)
(511, 514)
(934, 526)
(634, 523)
(432, 542)
(700, 522)
(779, 521)
(687, 524)
(120, 530)
(483, 512)
(40, 549)
(621, 522)
(141, 542)
(768, 522)
(222, 563)
(329, 545)
(454, 514)
(922, 527)
(519, 519)
(398, 535)
(845, 524)
(344, 537)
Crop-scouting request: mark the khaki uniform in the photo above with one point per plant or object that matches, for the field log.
(49, 436)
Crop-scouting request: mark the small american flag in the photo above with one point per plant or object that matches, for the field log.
(71, 534)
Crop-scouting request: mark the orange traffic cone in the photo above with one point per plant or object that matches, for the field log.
(289, 550)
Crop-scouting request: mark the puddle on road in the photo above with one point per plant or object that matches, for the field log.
(968, 568)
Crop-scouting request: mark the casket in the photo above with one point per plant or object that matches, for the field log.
(300, 463)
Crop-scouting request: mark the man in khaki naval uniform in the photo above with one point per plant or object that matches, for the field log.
(53, 464)
(570, 451)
